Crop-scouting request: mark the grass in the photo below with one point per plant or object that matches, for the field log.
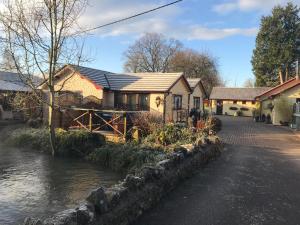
(128, 157)
(70, 143)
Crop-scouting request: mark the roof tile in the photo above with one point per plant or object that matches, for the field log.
(225, 93)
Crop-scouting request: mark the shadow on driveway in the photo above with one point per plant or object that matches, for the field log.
(255, 181)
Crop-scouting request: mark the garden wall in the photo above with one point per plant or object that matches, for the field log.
(123, 203)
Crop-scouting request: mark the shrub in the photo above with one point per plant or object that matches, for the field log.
(73, 143)
(205, 114)
(147, 122)
(34, 123)
(214, 124)
(171, 134)
(244, 109)
(285, 109)
(78, 143)
(127, 157)
(30, 138)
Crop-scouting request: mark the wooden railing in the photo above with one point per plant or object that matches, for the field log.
(135, 107)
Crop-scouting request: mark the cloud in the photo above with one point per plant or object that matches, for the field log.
(204, 33)
(166, 21)
(249, 5)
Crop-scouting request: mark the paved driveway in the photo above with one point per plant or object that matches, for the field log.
(255, 181)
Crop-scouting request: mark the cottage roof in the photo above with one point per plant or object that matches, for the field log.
(225, 93)
(159, 82)
(99, 77)
(193, 82)
(143, 82)
(280, 88)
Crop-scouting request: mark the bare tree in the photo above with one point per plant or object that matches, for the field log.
(7, 62)
(151, 53)
(249, 83)
(41, 36)
(197, 65)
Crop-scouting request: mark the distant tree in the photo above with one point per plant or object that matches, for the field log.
(275, 53)
(197, 65)
(249, 83)
(151, 53)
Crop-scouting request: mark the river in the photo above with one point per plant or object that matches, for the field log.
(35, 184)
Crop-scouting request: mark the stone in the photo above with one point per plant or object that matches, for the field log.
(188, 147)
(67, 217)
(133, 182)
(167, 164)
(84, 215)
(32, 221)
(180, 149)
(152, 173)
(98, 198)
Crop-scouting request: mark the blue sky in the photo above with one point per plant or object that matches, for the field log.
(224, 28)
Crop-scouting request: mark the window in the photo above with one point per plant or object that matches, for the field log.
(131, 102)
(197, 102)
(234, 102)
(119, 100)
(177, 102)
(144, 102)
(244, 102)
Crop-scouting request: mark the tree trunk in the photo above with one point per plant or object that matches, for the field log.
(52, 124)
(281, 76)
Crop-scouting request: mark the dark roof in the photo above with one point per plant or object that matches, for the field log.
(97, 76)
(11, 77)
(10, 81)
(280, 88)
(9, 86)
(225, 93)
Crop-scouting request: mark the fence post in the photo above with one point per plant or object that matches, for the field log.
(91, 120)
(125, 125)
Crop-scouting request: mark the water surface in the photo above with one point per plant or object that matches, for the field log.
(32, 183)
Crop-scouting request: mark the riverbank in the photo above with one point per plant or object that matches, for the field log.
(123, 203)
(167, 154)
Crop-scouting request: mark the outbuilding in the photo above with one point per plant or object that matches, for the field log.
(231, 101)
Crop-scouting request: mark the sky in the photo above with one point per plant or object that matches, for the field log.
(226, 29)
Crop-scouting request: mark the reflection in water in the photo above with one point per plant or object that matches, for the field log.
(35, 184)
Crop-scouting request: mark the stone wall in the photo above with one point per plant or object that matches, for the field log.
(123, 203)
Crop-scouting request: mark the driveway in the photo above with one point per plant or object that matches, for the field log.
(255, 181)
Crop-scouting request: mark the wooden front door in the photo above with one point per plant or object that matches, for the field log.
(219, 107)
